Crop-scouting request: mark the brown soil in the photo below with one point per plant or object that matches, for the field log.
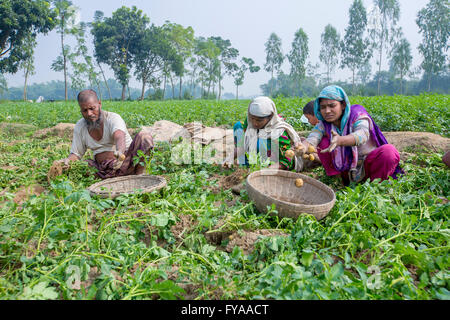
(92, 275)
(62, 130)
(25, 192)
(55, 170)
(16, 128)
(246, 239)
(216, 236)
(185, 224)
(65, 130)
(408, 140)
(16, 142)
(9, 168)
(414, 274)
(233, 179)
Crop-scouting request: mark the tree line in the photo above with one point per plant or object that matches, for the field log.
(369, 35)
(171, 57)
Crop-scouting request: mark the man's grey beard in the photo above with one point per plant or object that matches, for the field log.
(91, 125)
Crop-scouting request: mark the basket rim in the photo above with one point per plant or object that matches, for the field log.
(307, 179)
(162, 183)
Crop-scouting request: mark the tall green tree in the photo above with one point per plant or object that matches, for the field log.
(297, 56)
(274, 56)
(383, 20)
(27, 65)
(238, 71)
(116, 39)
(153, 51)
(226, 56)
(329, 52)
(98, 16)
(82, 53)
(193, 73)
(401, 60)
(65, 20)
(208, 62)
(3, 85)
(434, 25)
(182, 40)
(78, 73)
(363, 74)
(355, 49)
(20, 19)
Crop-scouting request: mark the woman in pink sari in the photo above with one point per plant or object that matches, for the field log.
(349, 142)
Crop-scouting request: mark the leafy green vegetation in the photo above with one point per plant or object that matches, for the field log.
(385, 240)
(427, 112)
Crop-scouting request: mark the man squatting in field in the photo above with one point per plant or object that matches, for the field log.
(349, 141)
(106, 134)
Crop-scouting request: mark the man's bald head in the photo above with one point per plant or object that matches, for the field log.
(86, 95)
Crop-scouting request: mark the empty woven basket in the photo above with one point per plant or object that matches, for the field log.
(111, 188)
(267, 187)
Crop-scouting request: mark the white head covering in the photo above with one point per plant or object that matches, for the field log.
(263, 107)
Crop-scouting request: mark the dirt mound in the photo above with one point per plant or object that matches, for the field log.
(62, 130)
(420, 141)
(219, 233)
(185, 224)
(411, 141)
(65, 130)
(16, 129)
(246, 239)
(25, 192)
(233, 179)
(9, 168)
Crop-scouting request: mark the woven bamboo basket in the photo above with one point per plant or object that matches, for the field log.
(268, 186)
(114, 187)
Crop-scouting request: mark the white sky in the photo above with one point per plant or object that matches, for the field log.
(246, 23)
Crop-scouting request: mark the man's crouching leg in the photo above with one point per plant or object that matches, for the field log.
(142, 141)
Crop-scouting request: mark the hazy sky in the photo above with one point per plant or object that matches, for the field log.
(246, 23)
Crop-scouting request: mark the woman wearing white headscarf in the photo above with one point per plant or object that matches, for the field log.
(262, 131)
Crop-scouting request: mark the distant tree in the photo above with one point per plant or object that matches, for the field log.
(238, 71)
(434, 25)
(65, 21)
(98, 16)
(3, 85)
(274, 56)
(182, 40)
(364, 73)
(153, 51)
(355, 48)
(19, 20)
(193, 72)
(401, 60)
(116, 38)
(297, 56)
(86, 68)
(27, 65)
(226, 56)
(383, 19)
(78, 73)
(208, 61)
(329, 52)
